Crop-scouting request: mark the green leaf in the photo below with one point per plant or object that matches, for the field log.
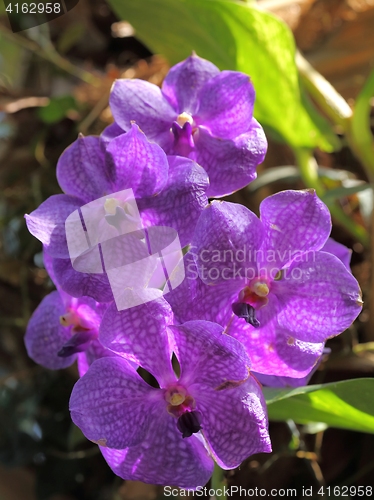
(235, 36)
(57, 109)
(274, 174)
(348, 404)
(343, 191)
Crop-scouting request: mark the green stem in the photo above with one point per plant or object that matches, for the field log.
(49, 53)
(309, 173)
(218, 481)
(329, 100)
(355, 124)
(359, 134)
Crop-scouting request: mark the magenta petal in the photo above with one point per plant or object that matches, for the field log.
(139, 334)
(184, 81)
(95, 351)
(319, 297)
(47, 223)
(112, 405)
(275, 381)
(226, 238)
(234, 422)
(45, 336)
(48, 265)
(226, 104)
(164, 457)
(137, 163)
(79, 284)
(209, 357)
(230, 163)
(295, 222)
(272, 348)
(110, 132)
(272, 353)
(211, 303)
(180, 202)
(81, 170)
(143, 103)
(340, 251)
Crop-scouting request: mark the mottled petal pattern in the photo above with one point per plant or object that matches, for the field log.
(210, 302)
(230, 163)
(224, 243)
(143, 103)
(185, 80)
(45, 336)
(112, 405)
(319, 297)
(273, 350)
(164, 457)
(234, 422)
(226, 104)
(139, 334)
(79, 284)
(47, 223)
(180, 202)
(295, 222)
(81, 170)
(207, 356)
(137, 163)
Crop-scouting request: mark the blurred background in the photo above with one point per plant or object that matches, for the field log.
(54, 82)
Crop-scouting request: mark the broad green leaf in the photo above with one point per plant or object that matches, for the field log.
(236, 36)
(348, 404)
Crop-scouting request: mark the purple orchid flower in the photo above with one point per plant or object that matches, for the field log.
(340, 251)
(168, 191)
(64, 329)
(169, 434)
(200, 113)
(278, 382)
(267, 281)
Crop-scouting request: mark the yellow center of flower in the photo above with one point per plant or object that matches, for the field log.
(184, 118)
(110, 205)
(70, 318)
(261, 289)
(175, 396)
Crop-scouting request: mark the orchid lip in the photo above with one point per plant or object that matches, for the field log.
(247, 312)
(183, 138)
(189, 423)
(78, 343)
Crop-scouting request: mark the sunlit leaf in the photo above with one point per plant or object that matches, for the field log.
(348, 404)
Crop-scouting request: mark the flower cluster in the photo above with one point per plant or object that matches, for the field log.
(170, 383)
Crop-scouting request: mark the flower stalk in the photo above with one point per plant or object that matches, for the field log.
(219, 481)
